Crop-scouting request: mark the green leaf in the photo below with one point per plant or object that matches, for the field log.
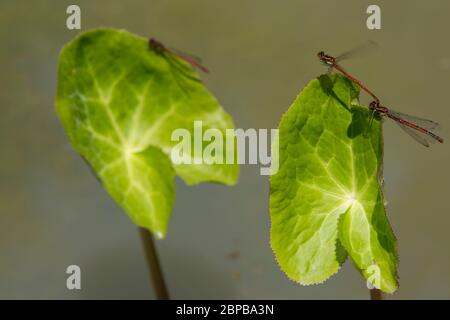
(326, 200)
(119, 101)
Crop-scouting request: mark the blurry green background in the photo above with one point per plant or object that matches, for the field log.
(54, 213)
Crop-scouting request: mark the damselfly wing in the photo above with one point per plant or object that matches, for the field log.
(421, 130)
(359, 51)
(192, 60)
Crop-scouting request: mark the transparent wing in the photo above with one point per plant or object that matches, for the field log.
(192, 60)
(361, 50)
(187, 56)
(420, 137)
(421, 122)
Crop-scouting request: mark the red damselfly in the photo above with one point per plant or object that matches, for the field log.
(193, 61)
(418, 128)
(332, 63)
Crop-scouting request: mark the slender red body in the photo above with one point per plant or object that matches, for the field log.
(375, 106)
(332, 63)
(383, 111)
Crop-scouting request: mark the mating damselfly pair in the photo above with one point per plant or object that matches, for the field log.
(420, 129)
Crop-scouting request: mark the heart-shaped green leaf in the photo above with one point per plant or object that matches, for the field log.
(120, 101)
(326, 200)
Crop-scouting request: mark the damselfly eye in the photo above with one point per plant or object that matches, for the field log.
(156, 45)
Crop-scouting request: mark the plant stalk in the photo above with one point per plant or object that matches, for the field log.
(376, 294)
(156, 274)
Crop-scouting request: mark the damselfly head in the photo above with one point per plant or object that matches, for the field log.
(326, 59)
(156, 45)
(375, 106)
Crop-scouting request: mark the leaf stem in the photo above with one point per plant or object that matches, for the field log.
(376, 294)
(156, 275)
